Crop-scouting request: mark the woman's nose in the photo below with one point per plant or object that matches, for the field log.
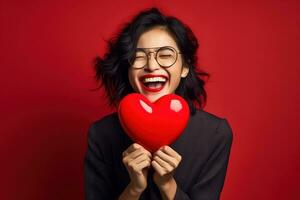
(152, 64)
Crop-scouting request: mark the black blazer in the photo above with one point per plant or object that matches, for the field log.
(204, 146)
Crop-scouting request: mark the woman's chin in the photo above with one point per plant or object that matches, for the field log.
(154, 97)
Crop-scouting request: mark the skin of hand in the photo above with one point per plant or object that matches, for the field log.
(165, 161)
(137, 161)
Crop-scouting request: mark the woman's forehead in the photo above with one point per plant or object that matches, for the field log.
(156, 37)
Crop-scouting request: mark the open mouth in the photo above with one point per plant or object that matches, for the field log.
(153, 83)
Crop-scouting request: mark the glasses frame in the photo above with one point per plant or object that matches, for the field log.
(157, 49)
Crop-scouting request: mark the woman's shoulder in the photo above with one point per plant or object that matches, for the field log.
(107, 127)
(209, 121)
(207, 117)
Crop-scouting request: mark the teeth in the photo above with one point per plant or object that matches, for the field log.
(154, 79)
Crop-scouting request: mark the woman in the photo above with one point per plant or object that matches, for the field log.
(155, 55)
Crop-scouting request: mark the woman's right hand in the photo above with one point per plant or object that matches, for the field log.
(137, 161)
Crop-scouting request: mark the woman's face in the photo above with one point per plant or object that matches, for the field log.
(154, 81)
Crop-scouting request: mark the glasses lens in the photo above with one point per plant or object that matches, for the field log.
(139, 60)
(166, 57)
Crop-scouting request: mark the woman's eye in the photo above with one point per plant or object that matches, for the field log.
(165, 56)
(139, 57)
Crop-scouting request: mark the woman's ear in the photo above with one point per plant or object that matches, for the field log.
(185, 70)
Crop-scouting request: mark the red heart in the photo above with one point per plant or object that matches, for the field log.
(153, 124)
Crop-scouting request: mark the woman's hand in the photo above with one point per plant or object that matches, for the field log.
(137, 161)
(164, 162)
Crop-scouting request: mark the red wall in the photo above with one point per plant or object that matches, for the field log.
(251, 48)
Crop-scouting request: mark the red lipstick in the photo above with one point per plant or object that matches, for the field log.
(151, 89)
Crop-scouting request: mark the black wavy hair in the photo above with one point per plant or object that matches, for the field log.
(111, 71)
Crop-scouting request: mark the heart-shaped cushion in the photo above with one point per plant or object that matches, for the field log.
(153, 125)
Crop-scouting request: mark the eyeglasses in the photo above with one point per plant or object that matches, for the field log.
(165, 56)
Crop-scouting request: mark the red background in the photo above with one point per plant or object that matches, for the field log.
(251, 49)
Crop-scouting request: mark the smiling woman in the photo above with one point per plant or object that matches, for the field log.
(161, 73)
(155, 55)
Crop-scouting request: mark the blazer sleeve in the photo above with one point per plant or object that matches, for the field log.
(211, 179)
(97, 171)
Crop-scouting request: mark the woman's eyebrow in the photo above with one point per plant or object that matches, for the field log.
(151, 48)
(140, 49)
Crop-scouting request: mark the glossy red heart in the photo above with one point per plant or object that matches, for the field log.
(153, 125)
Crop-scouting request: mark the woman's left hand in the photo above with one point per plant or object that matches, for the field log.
(165, 161)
